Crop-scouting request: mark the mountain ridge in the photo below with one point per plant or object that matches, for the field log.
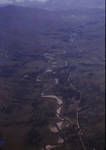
(61, 5)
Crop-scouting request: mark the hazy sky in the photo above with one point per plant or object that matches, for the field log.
(10, 1)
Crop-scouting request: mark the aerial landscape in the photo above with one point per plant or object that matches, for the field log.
(52, 75)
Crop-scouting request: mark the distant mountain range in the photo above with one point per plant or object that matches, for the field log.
(61, 4)
(67, 4)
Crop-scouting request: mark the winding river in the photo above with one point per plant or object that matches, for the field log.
(59, 124)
